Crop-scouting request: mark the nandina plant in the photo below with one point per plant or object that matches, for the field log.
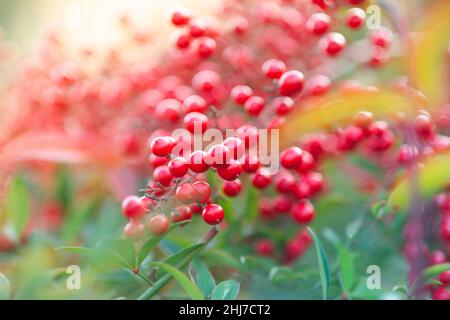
(259, 129)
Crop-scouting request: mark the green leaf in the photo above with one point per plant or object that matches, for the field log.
(347, 268)
(226, 290)
(191, 289)
(322, 260)
(378, 209)
(199, 273)
(103, 256)
(436, 270)
(76, 219)
(64, 187)
(121, 247)
(180, 255)
(217, 257)
(151, 243)
(401, 289)
(251, 204)
(5, 288)
(17, 205)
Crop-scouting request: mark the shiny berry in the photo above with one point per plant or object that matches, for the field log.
(178, 167)
(181, 213)
(195, 122)
(198, 161)
(231, 171)
(163, 175)
(381, 37)
(206, 47)
(251, 163)
(254, 105)
(232, 188)
(291, 158)
(202, 191)
(262, 178)
(273, 68)
(355, 18)
(318, 23)
(213, 214)
(158, 225)
(181, 17)
(219, 155)
(332, 43)
(162, 146)
(236, 146)
(133, 207)
(303, 212)
(195, 103)
(283, 105)
(291, 82)
(241, 93)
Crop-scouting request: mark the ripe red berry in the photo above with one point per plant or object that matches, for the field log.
(291, 157)
(332, 43)
(262, 178)
(219, 155)
(254, 105)
(158, 225)
(318, 84)
(181, 213)
(133, 207)
(232, 188)
(282, 204)
(206, 81)
(241, 93)
(291, 82)
(318, 23)
(202, 191)
(198, 27)
(284, 182)
(198, 161)
(206, 47)
(355, 18)
(178, 167)
(249, 134)
(163, 175)
(156, 161)
(213, 214)
(168, 110)
(251, 163)
(273, 68)
(423, 125)
(231, 171)
(134, 230)
(441, 293)
(185, 193)
(302, 190)
(162, 146)
(195, 103)
(303, 212)
(283, 105)
(315, 181)
(264, 247)
(438, 257)
(181, 17)
(195, 122)
(444, 277)
(182, 40)
(236, 146)
(381, 37)
(307, 163)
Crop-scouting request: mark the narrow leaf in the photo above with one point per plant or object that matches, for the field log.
(226, 290)
(322, 260)
(436, 270)
(199, 273)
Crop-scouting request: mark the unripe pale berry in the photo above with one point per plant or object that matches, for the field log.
(134, 230)
(158, 225)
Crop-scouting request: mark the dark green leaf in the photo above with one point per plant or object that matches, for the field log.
(180, 255)
(226, 290)
(322, 260)
(199, 273)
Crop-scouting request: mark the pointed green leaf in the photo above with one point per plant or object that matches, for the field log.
(180, 255)
(199, 273)
(322, 260)
(226, 290)
(436, 270)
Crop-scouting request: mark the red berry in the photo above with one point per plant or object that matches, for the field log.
(264, 247)
(291, 158)
(178, 167)
(444, 277)
(318, 84)
(181, 213)
(158, 225)
(441, 293)
(133, 207)
(230, 172)
(182, 40)
(284, 182)
(241, 93)
(213, 214)
(423, 125)
(381, 37)
(302, 190)
(163, 175)
(251, 163)
(232, 188)
(156, 161)
(162, 146)
(198, 27)
(283, 105)
(134, 230)
(195, 103)
(219, 155)
(438, 257)
(254, 105)
(249, 134)
(318, 23)
(236, 146)
(282, 204)
(355, 18)
(291, 82)
(206, 47)
(315, 181)
(307, 163)
(206, 81)
(303, 212)
(196, 208)
(273, 68)
(168, 110)
(202, 191)
(262, 178)
(198, 161)
(185, 193)
(195, 122)
(332, 43)
(180, 17)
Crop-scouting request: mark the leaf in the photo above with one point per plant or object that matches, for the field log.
(432, 177)
(17, 205)
(64, 188)
(199, 273)
(102, 256)
(401, 289)
(121, 247)
(226, 290)
(76, 218)
(378, 209)
(347, 269)
(5, 287)
(217, 257)
(151, 243)
(429, 54)
(322, 260)
(336, 108)
(251, 203)
(191, 289)
(436, 270)
(180, 255)
(353, 228)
